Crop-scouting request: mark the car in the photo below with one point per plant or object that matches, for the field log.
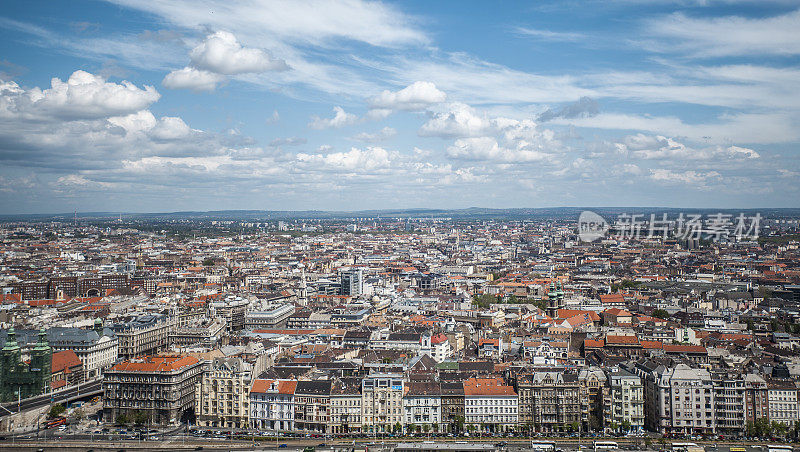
(283, 446)
(198, 448)
(321, 445)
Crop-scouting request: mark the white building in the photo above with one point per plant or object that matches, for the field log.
(272, 405)
(422, 405)
(488, 402)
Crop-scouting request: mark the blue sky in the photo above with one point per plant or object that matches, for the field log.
(170, 105)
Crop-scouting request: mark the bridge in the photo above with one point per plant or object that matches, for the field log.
(68, 394)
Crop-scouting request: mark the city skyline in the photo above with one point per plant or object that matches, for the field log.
(348, 106)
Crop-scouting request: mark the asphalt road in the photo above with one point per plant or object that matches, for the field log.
(75, 392)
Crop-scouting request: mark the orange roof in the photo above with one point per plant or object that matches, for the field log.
(612, 298)
(617, 312)
(567, 313)
(593, 343)
(681, 348)
(487, 387)
(652, 344)
(621, 340)
(160, 363)
(488, 341)
(62, 361)
(284, 386)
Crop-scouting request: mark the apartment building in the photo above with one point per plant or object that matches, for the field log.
(312, 406)
(730, 401)
(623, 402)
(783, 401)
(452, 400)
(162, 387)
(382, 401)
(345, 412)
(97, 348)
(422, 405)
(490, 404)
(552, 401)
(272, 405)
(222, 394)
(684, 401)
(144, 334)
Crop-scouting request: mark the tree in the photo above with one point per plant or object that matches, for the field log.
(574, 427)
(121, 420)
(779, 428)
(140, 418)
(661, 314)
(208, 262)
(426, 428)
(626, 425)
(398, 428)
(56, 410)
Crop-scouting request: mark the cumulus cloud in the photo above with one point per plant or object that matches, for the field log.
(488, 149)
(221, 53)
(381, 135)
(82, 96)
(415, 97)
(340, 119)
(371, 158)
(685, 177)
(458, 120)
(193, 79)
(659, 147)
(585, 107)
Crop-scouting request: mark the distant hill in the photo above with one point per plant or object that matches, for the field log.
(555, 213)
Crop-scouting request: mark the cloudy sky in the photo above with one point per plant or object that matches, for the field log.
(166, 105)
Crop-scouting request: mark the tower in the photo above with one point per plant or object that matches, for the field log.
(552, 301)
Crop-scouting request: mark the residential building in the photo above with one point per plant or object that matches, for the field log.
(161, 387)
(222, 394)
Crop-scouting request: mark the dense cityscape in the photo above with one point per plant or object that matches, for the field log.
(398, 327)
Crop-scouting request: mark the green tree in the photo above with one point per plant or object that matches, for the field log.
(56, 410)
(626, 425)
(661, 314)
(398, 428)
(208, 262)
(140, 418)
(121, 420)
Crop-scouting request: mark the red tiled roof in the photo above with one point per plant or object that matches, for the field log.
(487, 387)
(160, 363)
(63, 361)
(284, 386)
(621, 340)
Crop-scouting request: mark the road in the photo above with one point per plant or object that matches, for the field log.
(87, 389)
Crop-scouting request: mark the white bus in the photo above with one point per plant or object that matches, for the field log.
(543, 447)
(601, 446)
(778, 448)
(686, 447)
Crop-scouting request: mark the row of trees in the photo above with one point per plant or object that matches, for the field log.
(137, 417)
(763, 428)
(483, 301)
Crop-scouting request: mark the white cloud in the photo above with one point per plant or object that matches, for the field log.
(358, 160)
(221, 53)
(488, 149)
(728, 36)
(685, 177)
(649, 147)
(340, 119)
(737, 127)
(415, 97)
(308, 21)
(548, 35)
(458, 120)
(82, 96)
(192, 78)
(381, 135)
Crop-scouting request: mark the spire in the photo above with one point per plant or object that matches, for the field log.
(11, 341)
